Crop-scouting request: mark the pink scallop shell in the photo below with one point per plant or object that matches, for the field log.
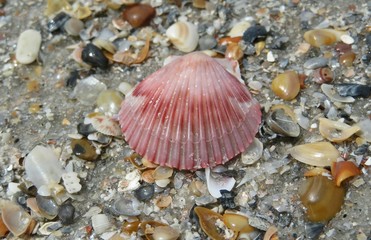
(192, 113)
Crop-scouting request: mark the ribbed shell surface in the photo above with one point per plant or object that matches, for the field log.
(190, 114)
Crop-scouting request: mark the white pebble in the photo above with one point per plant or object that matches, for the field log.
(270, 57)
(28, 46)
(347, 39)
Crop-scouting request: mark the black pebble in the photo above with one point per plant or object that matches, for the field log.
(57, 22)
(92, 55)
(72, 79)
(66, 213)
(353, 90)
(254, 34)
(144, 193)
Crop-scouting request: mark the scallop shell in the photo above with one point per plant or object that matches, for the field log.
(183, 35)
(190, 114)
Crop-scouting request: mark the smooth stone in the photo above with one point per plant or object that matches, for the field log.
(83, 149)
(94, 56)
(254, 34)
(316, 62)
(207, 42)
(57, 22)
(144, 193)
(353, 90)
(73, 26)
(139, 15)
(87, 90)
(347, 58)
(109, 101)
(66, 213)
(28, 46)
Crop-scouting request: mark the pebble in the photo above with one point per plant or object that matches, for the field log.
(127, 206)
(83, 149)
(94, 56)
(270, 57)
(47, 206)
(73, 26)
(144, 193)
(57, 22)
(342, 47)
(347, 39)
(109, 101)
(254, 34)
(207, 42)
(87, 90)
(139, 15)
(347, 58)
(66, 213)
(316, 62)
(28, 46)
(353, 90)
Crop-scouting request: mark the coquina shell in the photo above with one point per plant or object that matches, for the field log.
(190, 114)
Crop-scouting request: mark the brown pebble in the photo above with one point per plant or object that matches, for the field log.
(347, 59)
(139, 15)
(83, 149)
(342, 47)
(323, 75)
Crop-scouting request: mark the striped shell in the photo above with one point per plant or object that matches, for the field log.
(192, 113)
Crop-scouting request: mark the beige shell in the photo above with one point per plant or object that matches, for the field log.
(238, 29)
(322, 37)
(336, 131)
(183, 35)
(15, 218)
(318, 154)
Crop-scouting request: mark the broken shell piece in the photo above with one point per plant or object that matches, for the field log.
(48, 228)
(162, 182)
(283, 121)
(318, 154)
(343, 170)
(163, 201)
(183, 35)
(253, 153)
(104, 124)
(322, 37)
(317, 171)
(238, 29)
(336, 131)
(162, 173)
(104, 44)
(71, 182)
(209, 222)
(333, 95)
(131, 182)
(43, 167)
(237, 222)
(217, 183)
(15, 218)
(165, 233)
(155, 117)
(100, 223)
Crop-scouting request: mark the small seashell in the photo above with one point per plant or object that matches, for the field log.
(353, 90)
(343, 170)
(57, 22)
(71, 182)
(105, 124)
(144, 193)
(330, 92)
(130, 182)
(130, 227)
(155, 116)
(28, 46)
(197, 188)
(42, 167)
(237, 223)
(162, 173)
(47, 206)
(147, 176)
(83, 149)
(73, 26)
(282, 120)
(323, 75)
(253, 153)
(165, 233)
(319, 154)
(163, 201)
(347, 58)
(234, 52)
(322, 37)
(162, 182)
(238, 29)
(317, 62)
(48, 228)
(286, 85)
(216, 182)
(254, 34)
(109, 101)
(183, 35)
(87, 89)
(139, 15)
(15, 218)
(128, 206)
(336, 131)
(321, 198)
(100, 223)
(94, 56)
(209, 222)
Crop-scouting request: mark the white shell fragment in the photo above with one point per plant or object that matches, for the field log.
(318, 154)
(332, 94)
(217, 183)
(104, 124)
(336, 131)
(15, 218)
(42, 167)
(71, 182)
(253, 153)
(28, 46)
(238, 29)
(183, 35)
(100, 223)
(131, 181)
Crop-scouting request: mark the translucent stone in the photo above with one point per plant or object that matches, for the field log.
(109, 101)
(87, 90)
(286, 85)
